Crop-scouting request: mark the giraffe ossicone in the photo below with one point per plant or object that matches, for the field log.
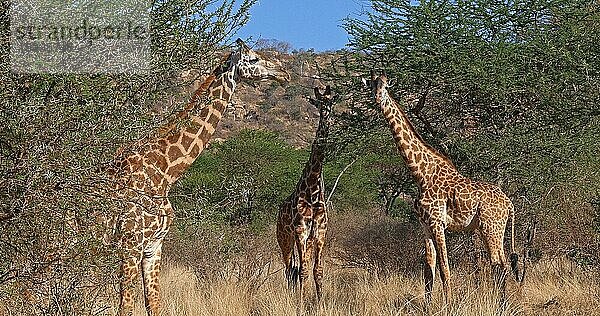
(447, 200)
(302, 218)
(144, 173)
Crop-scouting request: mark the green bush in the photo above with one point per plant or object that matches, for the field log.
(56, 133)
(244, 180)
(508, 90)
(241, 181)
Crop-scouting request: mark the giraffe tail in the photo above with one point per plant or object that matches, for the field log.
(293, 272)
(514, 257)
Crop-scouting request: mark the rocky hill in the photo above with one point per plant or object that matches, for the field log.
(269, 105)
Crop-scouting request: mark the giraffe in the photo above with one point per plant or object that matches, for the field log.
(145, 173)
(302, 219)
(447, 200)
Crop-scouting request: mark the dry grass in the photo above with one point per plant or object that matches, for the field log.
(359, 280)
(561, 288)
(552, 288)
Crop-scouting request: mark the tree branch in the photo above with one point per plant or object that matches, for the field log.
(337, 180)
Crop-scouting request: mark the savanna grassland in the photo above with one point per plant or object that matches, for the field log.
(254, 285)
(508, 90)
(553, 288)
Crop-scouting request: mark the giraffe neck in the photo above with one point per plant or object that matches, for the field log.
(420, 158)
(312, 174)
(193, 127)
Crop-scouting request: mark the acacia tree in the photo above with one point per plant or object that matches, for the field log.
(56, 131)
(507, 89)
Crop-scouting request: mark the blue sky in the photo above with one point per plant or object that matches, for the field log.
(302, 23)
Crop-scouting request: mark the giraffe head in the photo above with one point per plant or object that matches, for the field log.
(378, 86)
(323, 102)
(251, 66)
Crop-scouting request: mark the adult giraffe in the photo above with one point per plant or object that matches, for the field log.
(447, 199)
(145, 173)
(302, 219)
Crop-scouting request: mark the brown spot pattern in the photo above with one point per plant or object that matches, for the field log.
(447, 200)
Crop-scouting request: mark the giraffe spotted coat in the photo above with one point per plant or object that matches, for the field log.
(145, 172)
(447, 200)
(302, 219)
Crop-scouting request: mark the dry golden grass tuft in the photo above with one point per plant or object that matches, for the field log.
(559, 287)
(552, 288)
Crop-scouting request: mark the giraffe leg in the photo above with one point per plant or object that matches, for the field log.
(285, 239)
(429, 267)
(495, 248)
(128, 275)
(129, 239)
(150, 276)
(440, 245)
(306, 261)
(302, 244)
(475, 257)
(501, 274)
(286, 244)
(318, 268)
